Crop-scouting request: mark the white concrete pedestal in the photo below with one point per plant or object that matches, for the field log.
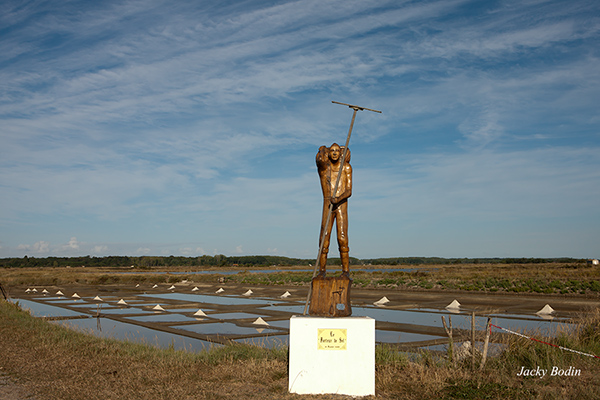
(332, 355)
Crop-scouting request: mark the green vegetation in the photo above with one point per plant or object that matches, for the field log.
(554, 278)
(550, 278)
(147, 262)
(221, 261)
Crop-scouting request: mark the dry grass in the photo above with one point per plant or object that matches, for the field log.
(56, 363)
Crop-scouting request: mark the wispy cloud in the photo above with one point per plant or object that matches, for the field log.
(141, 117)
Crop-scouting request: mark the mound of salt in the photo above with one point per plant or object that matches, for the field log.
(455, 304)
(382, 301)
(546, 310)
(260, 321)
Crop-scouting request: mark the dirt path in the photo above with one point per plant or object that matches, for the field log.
(11, 390)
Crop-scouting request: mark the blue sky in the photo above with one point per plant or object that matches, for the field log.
(190, 127)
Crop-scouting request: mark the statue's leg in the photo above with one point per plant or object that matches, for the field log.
(345, 263)
(342, 236)
(323, 263)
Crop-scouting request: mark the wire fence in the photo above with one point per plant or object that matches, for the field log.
(541, 341)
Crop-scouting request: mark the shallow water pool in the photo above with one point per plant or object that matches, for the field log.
(45, 310)
(108, 328)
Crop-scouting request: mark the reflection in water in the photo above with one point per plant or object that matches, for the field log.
(284, 323)
(463, 321)
(224, 328)
(108, 328)
(401, 337)
(297, 310)
(44, 310)
(205, 298)
(125, 311)
(170, 317)
(179, 316)
(233, 315)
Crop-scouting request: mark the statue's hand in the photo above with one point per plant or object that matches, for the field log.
(322, 156)
(323, 152)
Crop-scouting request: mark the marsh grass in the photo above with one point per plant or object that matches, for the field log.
(550, 278)
(502, 371)
(57, 363)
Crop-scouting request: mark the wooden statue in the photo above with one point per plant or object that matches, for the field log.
(328, 166)
(330, 296)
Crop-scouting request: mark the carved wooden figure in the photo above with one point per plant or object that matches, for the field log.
(329, 166)
(330, 296)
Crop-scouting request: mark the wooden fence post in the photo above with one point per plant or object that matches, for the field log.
(450, 343)
(486, 342)
(473, 340)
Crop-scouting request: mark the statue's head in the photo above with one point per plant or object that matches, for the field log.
(335, 152)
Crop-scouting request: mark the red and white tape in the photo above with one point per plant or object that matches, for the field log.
(540, 341)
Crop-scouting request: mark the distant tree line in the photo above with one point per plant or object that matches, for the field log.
(440, 260)
(221, 260)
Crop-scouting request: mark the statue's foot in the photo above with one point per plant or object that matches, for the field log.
(321, 274)
(345, 274)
